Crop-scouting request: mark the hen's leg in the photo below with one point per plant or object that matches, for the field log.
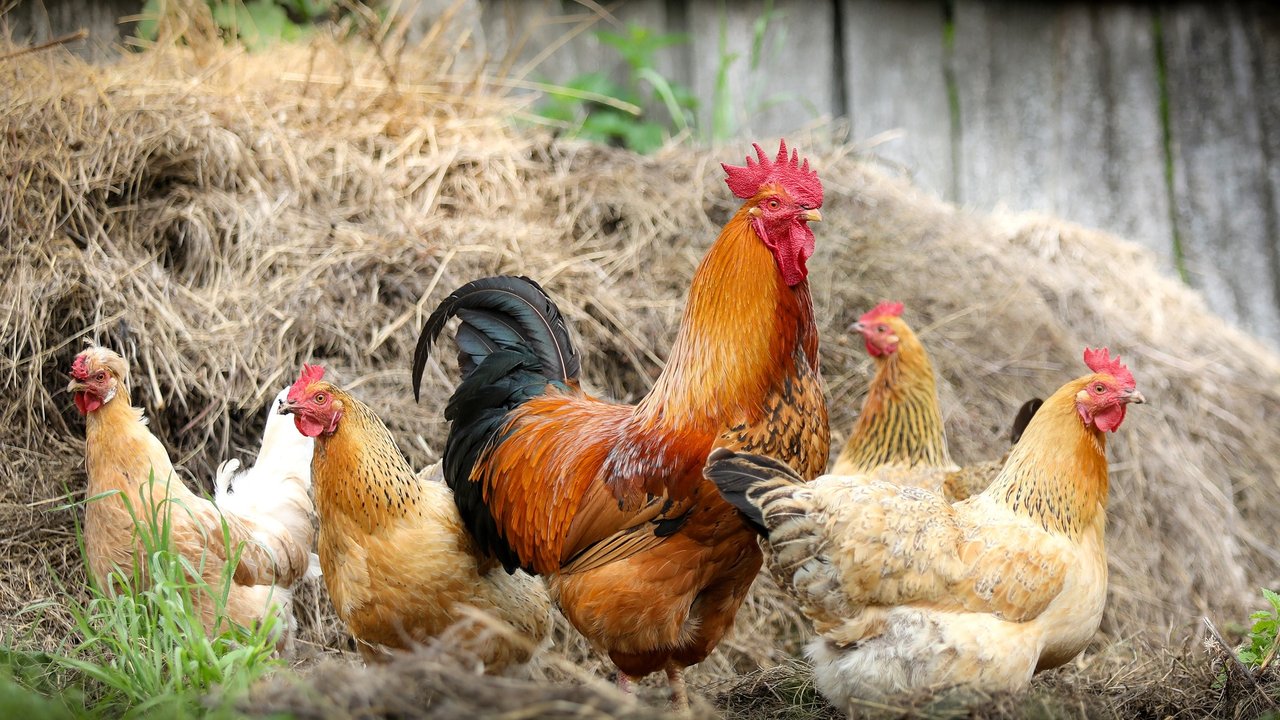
(624, 683)
(679, 696)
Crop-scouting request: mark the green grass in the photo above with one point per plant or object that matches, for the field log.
(1260, 639)
(140, 648)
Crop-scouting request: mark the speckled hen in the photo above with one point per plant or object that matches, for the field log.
(399, 564)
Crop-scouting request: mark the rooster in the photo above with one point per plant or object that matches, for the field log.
(277, 488)
(400, 567)
(607, 500)
(910, 592)
(899, 436)
(130, 473)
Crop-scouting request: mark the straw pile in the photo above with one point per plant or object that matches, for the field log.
(220, 217)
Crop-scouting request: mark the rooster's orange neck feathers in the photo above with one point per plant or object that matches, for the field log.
(1057, 473)
(900, 422)
(740, 334)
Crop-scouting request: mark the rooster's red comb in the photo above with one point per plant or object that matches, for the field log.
(884, 309)
(789, 172)
(1100, 361)
(310, 374)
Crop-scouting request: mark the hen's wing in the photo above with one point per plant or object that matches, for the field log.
(264, 554)
(842, 546)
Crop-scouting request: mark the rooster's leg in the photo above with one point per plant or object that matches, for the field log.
(679, 696)
(624, 683)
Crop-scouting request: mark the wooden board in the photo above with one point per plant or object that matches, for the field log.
(896, 87)
(1004, 74)
(794, 83)
(33, 21)
(1224, 197)
(1108, 157)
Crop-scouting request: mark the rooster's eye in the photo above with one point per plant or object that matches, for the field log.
(882, 328)
(1099, 388)
(773, 204)
(319, 398)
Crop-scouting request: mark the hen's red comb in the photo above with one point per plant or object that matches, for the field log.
(801, 182)
(1100, 361)
(310, 374)
(890, 309)
(80, 367)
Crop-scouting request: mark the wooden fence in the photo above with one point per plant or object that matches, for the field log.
(1160, 122)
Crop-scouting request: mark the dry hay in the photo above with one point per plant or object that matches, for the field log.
(220, 217)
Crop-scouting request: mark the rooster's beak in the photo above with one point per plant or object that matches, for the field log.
(811, 216)
(287, 408)
(1134, 396)
(856, 326)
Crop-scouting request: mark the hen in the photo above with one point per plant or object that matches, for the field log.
(899, 436)
(400, 567)
(908, 591)
(608, 501)
(277, 489)
(129, 470)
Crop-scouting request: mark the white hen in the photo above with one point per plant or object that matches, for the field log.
(276, 491)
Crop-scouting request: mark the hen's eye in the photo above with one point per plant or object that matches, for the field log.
(1099, 388)
(882, 328)
(319, 398)
(773, 204)
(101, 375)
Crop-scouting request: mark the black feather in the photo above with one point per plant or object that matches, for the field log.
(737, 474)
(1023, 419)
(670, 526)
(511, 312)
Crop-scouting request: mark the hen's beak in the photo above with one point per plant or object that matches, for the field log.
(1133, 396)
(287, 408)
(856, 326)
(76, 386)
(811, 216)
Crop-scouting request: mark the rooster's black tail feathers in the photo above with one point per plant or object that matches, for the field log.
(512, 346)
(501, 313)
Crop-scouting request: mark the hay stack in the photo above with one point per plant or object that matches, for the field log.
(220, 217)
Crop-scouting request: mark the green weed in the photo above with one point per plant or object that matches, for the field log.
(1260, 645)
(254, 23)
(624, 123)
(141, 648)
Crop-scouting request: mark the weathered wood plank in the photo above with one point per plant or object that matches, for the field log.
(796, 79)
(896, 87)
(1060, 111)
(1263, 22)
(556, 40)
(33, 22)
(1004, 75)
(1108, 162)
(1222, 188)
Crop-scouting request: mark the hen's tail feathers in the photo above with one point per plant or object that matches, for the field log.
(313, 567)
(222, 479)
(1023, 419)
(748, 482)
(501, 313)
